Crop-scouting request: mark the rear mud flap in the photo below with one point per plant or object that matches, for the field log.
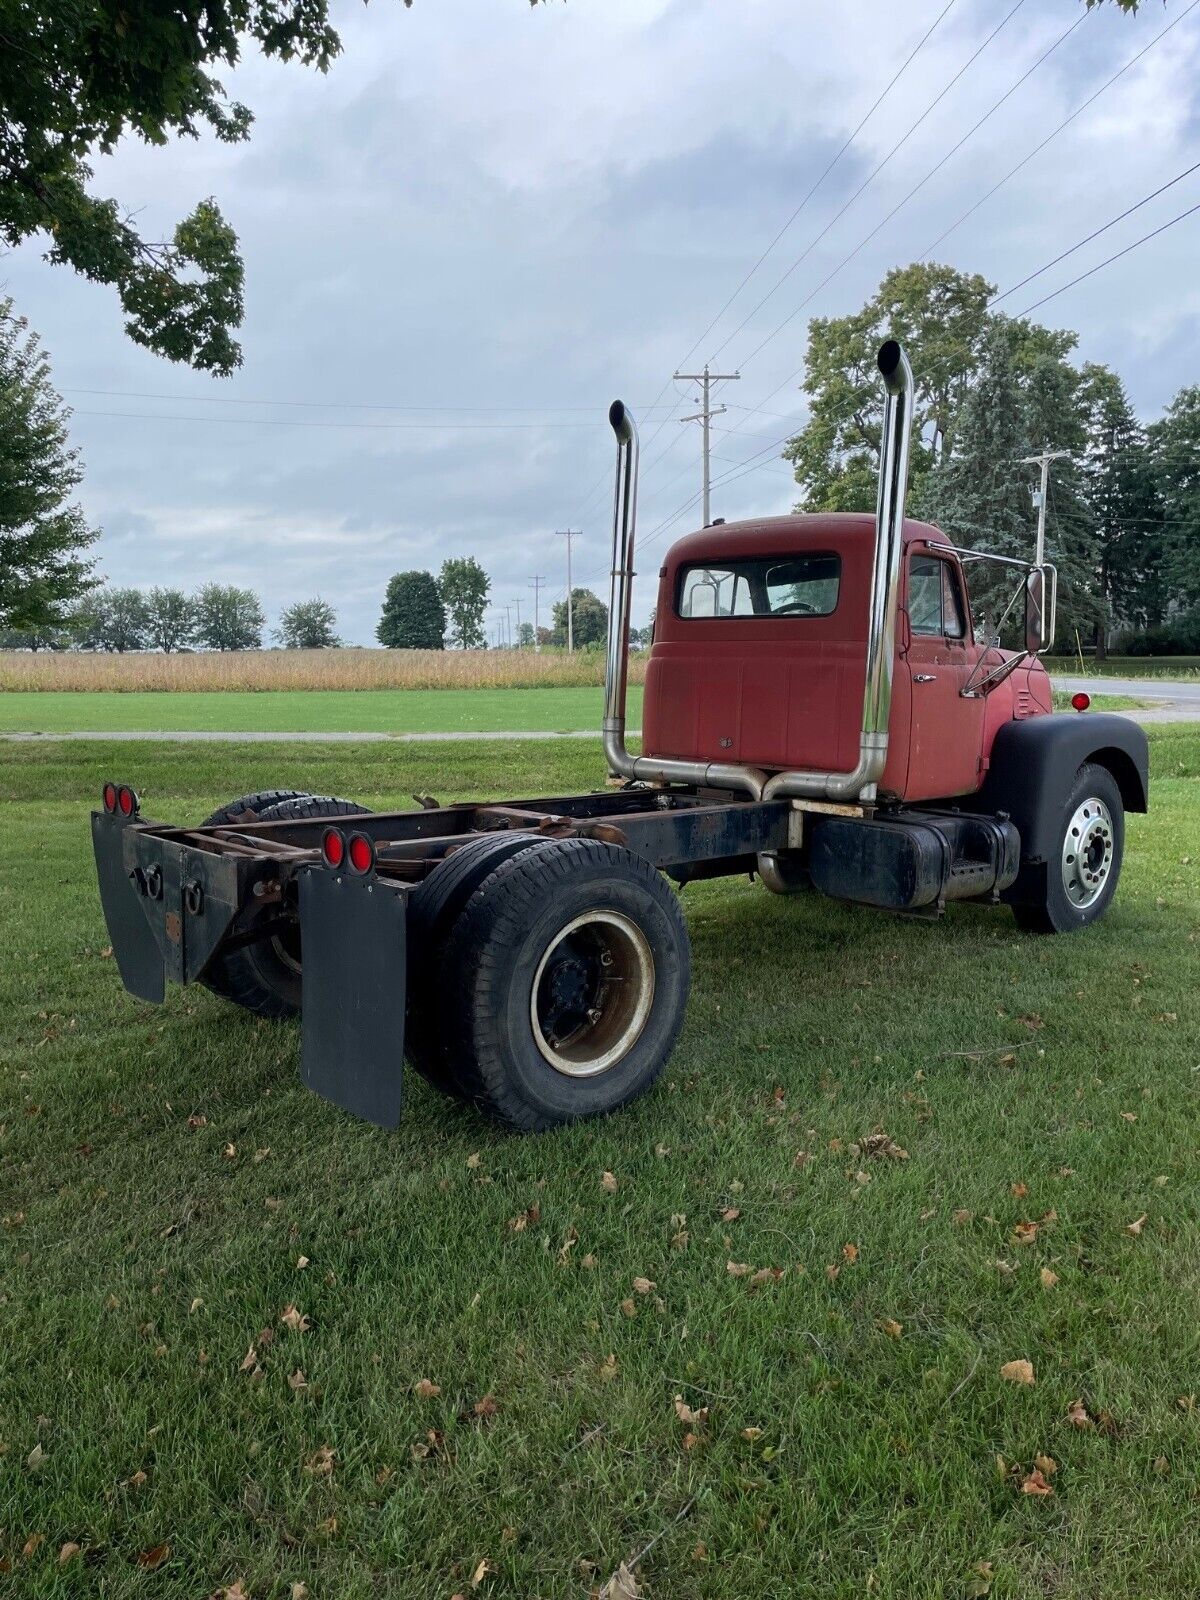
(138, 957)
(352, 932)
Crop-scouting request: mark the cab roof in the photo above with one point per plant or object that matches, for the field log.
(766, 536)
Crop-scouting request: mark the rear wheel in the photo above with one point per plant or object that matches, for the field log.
(1084, 865)
(265, 976)
(568, 977)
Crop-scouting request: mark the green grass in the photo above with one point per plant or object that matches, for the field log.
(162, 1172)
(320, 711)
(327, 711)
(1182, 667)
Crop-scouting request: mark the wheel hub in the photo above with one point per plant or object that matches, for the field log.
(1087, 853)
(592, 993)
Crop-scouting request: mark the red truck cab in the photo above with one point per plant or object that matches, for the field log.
(760, 648)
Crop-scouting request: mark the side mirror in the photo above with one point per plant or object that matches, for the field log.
(1037, 627)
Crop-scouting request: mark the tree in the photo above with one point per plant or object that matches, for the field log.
(1124, 505)
(589, 619)
(930, 308)
(228, 618)
(112, 619)
(77, 78)
(308, 625)
(414, 617)
(170, 620)
(525, 636)
(464, 587)
(1175, 447)
(42, 535)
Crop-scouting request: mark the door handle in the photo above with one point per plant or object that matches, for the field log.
(925, 677)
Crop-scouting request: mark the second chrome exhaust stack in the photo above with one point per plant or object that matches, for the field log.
(858, 785)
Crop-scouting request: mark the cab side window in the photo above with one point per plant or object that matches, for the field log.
(935, 603)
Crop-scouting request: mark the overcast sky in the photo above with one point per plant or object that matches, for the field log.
(488, 220)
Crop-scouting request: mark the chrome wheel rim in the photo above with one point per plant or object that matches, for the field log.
(592, 993)
(1088, 853)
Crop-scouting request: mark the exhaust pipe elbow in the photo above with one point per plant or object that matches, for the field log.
(620, 421)
(894, 368)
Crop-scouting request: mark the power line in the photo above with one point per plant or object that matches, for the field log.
(1128, 212)
(1099, 267)
(298, 422)
(876, 103)
(338, 405)
(1054, 133)
(871, 176)
(900, 204)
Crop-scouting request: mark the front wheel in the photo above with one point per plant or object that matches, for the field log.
(569, 971)
(1084, 865)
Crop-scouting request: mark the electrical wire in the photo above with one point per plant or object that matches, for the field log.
(1099, 267)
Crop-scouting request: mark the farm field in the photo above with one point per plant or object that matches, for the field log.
(398, 711)
(247, 1340)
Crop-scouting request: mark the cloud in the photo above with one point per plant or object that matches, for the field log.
(516, 214)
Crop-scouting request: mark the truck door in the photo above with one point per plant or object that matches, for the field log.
(946, 730)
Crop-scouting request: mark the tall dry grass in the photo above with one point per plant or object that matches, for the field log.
(258, 670)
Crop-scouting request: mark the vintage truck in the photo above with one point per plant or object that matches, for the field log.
(818, 713)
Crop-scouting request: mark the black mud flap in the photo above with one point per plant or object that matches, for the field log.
(138, 957)
(352, 1032)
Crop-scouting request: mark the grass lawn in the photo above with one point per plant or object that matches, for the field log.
(1187, 667)
(330, 711)
(168, 1192)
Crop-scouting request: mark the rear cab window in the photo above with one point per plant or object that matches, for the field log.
(760, 586)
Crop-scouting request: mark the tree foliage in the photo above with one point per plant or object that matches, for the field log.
(464, 587)
(229, 618)
(308, 625)
(112, 619)
(42, 533)
(1175, 450)
(170, 620)
(589, 619)
(414, 617)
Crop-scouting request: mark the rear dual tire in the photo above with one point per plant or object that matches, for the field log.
(559, 990)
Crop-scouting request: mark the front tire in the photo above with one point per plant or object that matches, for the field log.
(569, 971)
(1084, 866)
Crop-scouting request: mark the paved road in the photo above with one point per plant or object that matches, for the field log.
(1184, 693)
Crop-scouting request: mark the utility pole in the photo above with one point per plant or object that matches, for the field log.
(1040, 495)
(705, 416)
(508, 625)
(568, 534)
(535, 584)
(517, 605)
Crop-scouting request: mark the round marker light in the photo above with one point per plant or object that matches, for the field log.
(362, 853)
(126, 800)
(110, 797)
(1081, 701)
(333, 847)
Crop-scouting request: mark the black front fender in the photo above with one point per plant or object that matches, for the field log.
(1033, 767)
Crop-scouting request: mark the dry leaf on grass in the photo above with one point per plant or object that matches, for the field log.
(486, 1407)
(879, 1147)
(892, 1328)
(1036, 1484)
(480, 1573)
(607, 1370)
(643, 1285)
(738, 1269)
(608, 1183)
(297, 1380)
(1048, 1278)
(850, 1253)
(295, 1319)
(730, 1214)
(320, 1463)
(1078, 1416)
(1046, 1464)
(68, 1552)
(425, 1390)
(154, 1557)
(1025, 1233)
(690, 1417)
(1135, 1227)
(474, 1160)
(621, 1586)
(35, 1458)
(1019, 1371)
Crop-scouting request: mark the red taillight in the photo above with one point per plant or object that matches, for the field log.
(362, 853)
(126, 800)
(110, 797)
(1080, 701)
(333, 847)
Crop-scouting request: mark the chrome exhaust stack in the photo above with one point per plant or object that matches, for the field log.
(860, 783)
(650, 769)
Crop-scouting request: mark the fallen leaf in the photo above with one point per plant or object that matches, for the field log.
(1048, 1278)
(487, 1406)
(766, 1275)
(679, 1241)
(1019, 1190)
(1135, 1228)
(1019, 1371)
(643, 1285)
(1025, 1233)
(1046, 1464)
(881, 1146)
(521, 1221)
(607, 1370)
(35, 1458)
(480, 1573)
(302, 1262)
(425, 1390)
(230, 1152)
(751, 1434)
(474, 1160)
(629, 1308)
(1162, 1466)
(249, 1361)
(730, 1214)
(298, 1591)
(608, 1183)
(961, 1216)
(320, 1463)
(154, 1557)
(738, 1269)
(892, 1328)
(850, 1253)
(297, 1380)
(295, 1320)
(587, 1262)
(31, 1545)
(1128, 1116)
(1036, 1483)
(1078, 1416)
(621, 1586)
(690, 1417)
(68, 1552)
